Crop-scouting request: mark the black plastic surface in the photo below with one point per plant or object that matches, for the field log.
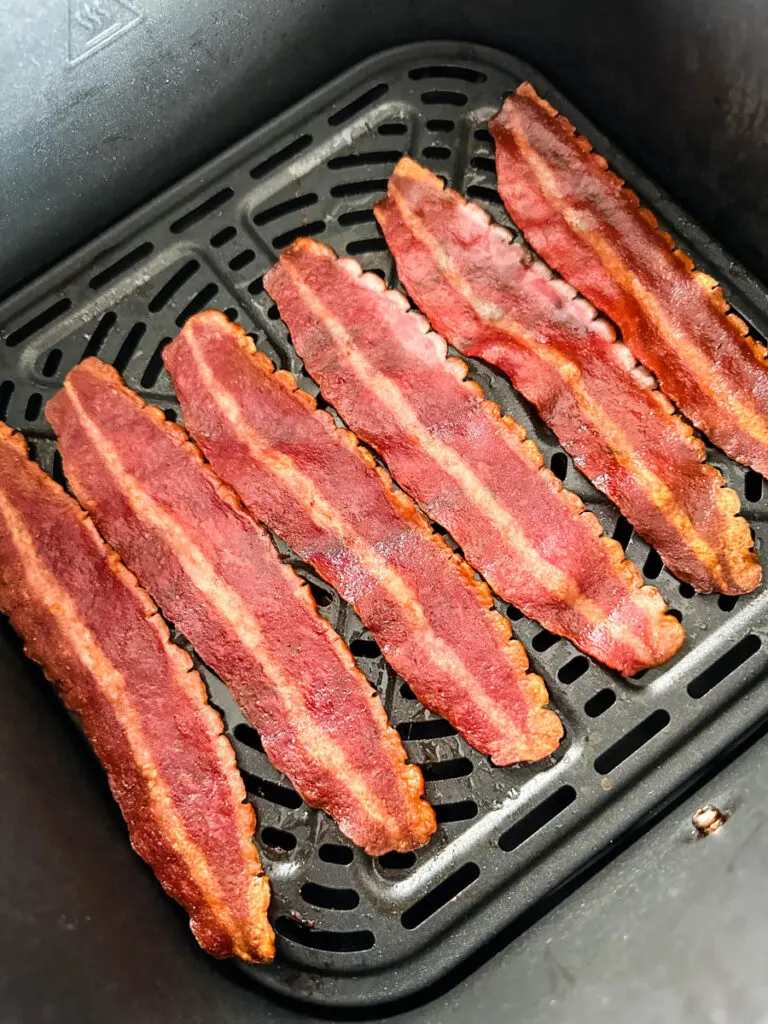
(507, 836)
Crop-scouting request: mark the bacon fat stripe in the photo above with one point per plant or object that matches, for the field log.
(490, 299)
(312, 484)
(215, 573)
(469, 468)
(101, 641)
(588, 226)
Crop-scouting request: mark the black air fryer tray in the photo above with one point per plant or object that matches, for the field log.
(353, 930)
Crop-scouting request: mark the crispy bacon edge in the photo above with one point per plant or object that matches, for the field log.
(669, 633)
(542, 740)
(711, 288)
(418, 818)
(749, 573)
(259, 946)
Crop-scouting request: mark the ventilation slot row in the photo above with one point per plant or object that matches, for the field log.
(128, 348)
(305, 934)
(278, 839)
(316, 227)
(437, 124)
(373, 159)
(537, 819)
(600, 703)
(247, 734)
(328, 897)
(202, 210)
(201, 301)
(155, 366)
(726, 664)
(484, 163)
(459, 810)
(281, 157)
(37, 323)
(485, 195)
(100, 335)
(365, 648)
(271, 213)
(161, 299)
(353, 217)
(359, 104)
(448, 71)
(622, 532)
(393, 128)
(359, 188)
(397, 861)
(52, 362)
(366, 245)
(455, 768)
(573, 669)
(7, 387)
(121, 266)
(34, 405)
(284, 796)
(436, 152)
(444, 97)
(438, 897)
(634, 740)
(434, 729)
(335, 853)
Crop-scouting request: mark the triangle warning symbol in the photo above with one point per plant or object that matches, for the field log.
(95, 23)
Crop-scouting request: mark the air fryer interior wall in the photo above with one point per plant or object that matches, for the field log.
(88, 132)
(31, 876)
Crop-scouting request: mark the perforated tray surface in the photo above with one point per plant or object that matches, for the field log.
(353, 930)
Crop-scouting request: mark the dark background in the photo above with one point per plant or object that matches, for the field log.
(681, 85)
(672, 930)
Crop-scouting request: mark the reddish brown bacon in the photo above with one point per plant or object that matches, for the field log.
(490, 299)
(470, 468)
(311, 483)
(216, 574)
(100, 640)
(589, 227)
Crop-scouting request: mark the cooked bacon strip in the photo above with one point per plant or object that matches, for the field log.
(583, 221)
(311, 483)
(470, 468)
(489, 299)
(101, 641)
(216, 574)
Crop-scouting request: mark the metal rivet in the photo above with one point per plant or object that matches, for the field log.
(708, 819)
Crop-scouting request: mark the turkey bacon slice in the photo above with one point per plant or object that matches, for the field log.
(587, 225)
(310, 482)
(102, 643)
(216, 574)
(491, 299)
(470, 468)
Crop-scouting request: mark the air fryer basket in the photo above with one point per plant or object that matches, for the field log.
(352, 930)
